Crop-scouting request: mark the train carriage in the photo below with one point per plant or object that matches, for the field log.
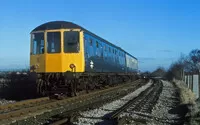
(68, 58)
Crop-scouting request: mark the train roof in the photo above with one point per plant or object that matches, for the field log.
(68, 25)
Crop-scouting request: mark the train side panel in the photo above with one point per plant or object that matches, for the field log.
(102, 57)
(131, 63)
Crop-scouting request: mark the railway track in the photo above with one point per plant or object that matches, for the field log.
(21, 111)
(69, 116)
(137, 106)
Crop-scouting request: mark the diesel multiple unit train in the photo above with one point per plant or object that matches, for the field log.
(67, 58)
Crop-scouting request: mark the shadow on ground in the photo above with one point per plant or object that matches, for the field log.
(181, 110)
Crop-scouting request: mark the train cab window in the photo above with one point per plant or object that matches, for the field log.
(53, 42)
(71, 42)
(37, 44)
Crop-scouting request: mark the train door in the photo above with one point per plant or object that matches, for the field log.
(100, 53)
(37, 57)
(73, 55)
(101, 50)
(86, 49)
(89, 52)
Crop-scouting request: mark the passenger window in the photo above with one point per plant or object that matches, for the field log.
(71, 42)
(109, 49)
(90, 42)
(97, 44)
(53, 42)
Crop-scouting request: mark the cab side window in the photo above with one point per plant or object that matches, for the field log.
(37, 43)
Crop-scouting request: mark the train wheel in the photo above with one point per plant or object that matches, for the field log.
(38, 83)
(87, 88)
(110, 81)
(73, 88)
(43, 88)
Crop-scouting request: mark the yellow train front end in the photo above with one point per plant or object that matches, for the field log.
(55, 53)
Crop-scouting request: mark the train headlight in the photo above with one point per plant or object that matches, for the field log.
(72, 66)
(34, 67)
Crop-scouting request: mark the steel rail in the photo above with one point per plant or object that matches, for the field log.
(138, 100)
(69, 101)
(68, 119)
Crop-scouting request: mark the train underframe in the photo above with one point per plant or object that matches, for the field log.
(71, 83)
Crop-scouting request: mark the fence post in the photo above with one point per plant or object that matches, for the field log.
(199, 83)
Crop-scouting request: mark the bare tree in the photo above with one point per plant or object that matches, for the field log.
(159, 72)
(184, 64)
(176, 69)
(192, 61)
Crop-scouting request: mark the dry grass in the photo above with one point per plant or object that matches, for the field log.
(188, 97)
